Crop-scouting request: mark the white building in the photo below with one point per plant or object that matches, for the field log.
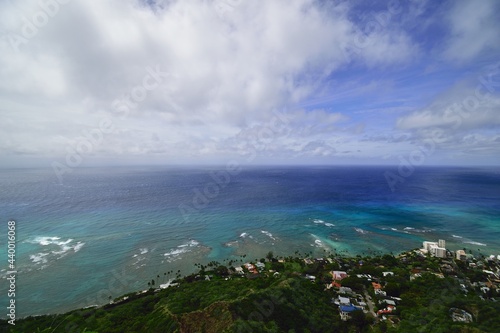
(339, 275)
(461, 255)
(344, 300)
(427, 245)
(435, 249)
(345, 290)
(442, 243)
(439, 252)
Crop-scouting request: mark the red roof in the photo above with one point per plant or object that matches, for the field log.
(335, 284)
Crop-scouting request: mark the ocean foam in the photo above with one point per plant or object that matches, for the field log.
(191, 243)
(361, 231)
(39, 258)
(330, 224)
(319, 243)
(267, 233)
(175, 253)
(44, 240)
(78, 246)
(318, 221)
(57, 249)
(455, 236)
(475, 243)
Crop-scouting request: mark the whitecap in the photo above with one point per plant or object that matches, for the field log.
(183, 248)
(475, 243)
(78, 246)
(243, 235)
(63, 243)
(175, 252)
(144, 250)
(43, 240)
(39, 258)
(318, 221)
(455, 236)
(409, 228)
(191, 243)
(361, 231)
(330, 224)
(267, 233)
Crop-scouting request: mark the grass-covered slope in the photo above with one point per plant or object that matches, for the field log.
(235, 305)
(219, 300)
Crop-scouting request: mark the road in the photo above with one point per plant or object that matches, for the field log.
(370, 305)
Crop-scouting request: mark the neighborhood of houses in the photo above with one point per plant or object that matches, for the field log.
(374, 296)
(349, 301)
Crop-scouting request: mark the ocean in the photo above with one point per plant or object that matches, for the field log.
(107, 231)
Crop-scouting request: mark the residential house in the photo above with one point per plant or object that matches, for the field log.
(461, 255)
(345, 290)
(339, 275)
(346, 310)
(344, 300)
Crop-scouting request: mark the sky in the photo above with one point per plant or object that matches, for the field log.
(167, 82)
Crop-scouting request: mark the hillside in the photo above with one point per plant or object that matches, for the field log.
(297, 295)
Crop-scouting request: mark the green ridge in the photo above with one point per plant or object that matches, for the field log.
(290, 302)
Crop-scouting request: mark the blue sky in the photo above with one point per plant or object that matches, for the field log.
(86, 83)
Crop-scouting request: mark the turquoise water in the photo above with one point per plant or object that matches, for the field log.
(105, 232)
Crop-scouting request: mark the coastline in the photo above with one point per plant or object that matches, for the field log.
(240, 257)
(369, 283)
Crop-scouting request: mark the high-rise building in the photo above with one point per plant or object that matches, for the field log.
(428, 245)
(439, 252)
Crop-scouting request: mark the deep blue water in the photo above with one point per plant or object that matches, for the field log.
(107, 231)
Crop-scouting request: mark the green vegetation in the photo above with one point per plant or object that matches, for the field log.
(290, 295)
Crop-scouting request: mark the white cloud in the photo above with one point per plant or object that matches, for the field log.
(462, 108)
(225, 71)
(474, 28)
(226, 67)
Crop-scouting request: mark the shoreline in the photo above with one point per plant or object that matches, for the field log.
(333, 292)
(235, 259)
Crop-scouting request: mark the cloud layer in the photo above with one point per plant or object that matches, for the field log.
(297, 81)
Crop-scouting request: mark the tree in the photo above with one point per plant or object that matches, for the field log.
(392, 289)
(359, 319)
(221, 271)
(382, 326)
(270, 255)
